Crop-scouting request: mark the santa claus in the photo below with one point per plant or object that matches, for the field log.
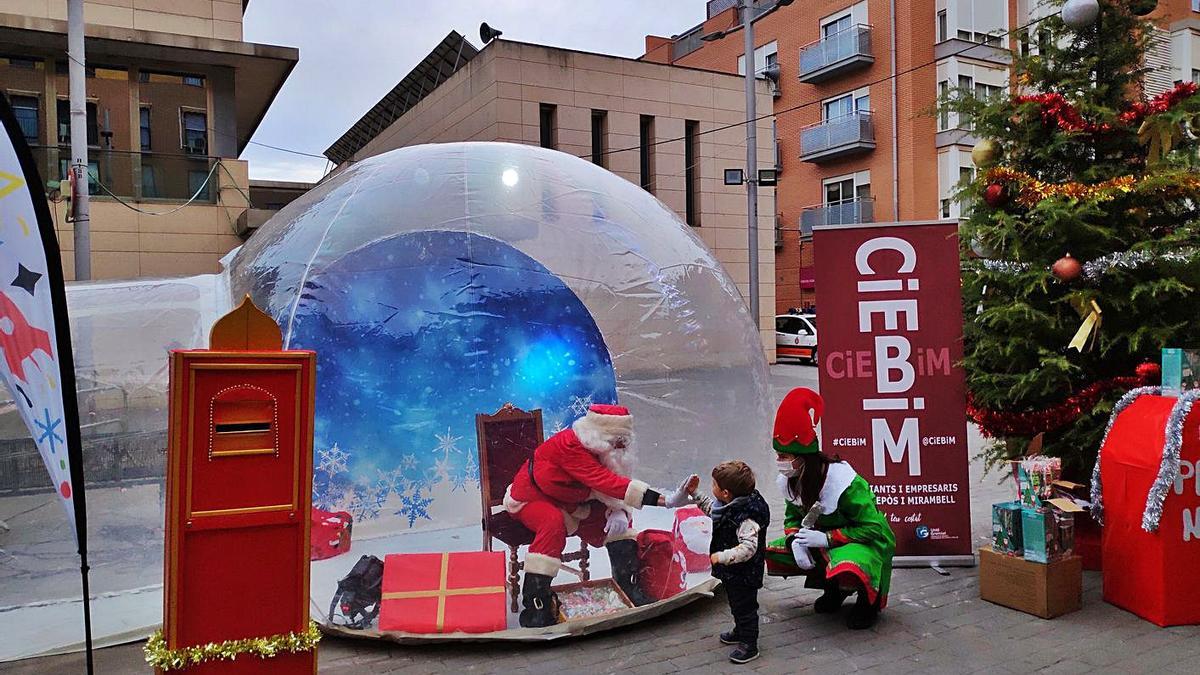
(577, 484)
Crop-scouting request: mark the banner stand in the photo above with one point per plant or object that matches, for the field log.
(889, 305)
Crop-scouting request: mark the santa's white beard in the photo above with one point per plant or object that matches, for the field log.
(620, 462)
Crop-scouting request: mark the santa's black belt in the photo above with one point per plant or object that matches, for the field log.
(532, 480)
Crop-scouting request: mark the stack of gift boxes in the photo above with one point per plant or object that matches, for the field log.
(1040, 524)
(1030, 565)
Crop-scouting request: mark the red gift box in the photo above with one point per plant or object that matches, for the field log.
(661, 572)
(1150, 573)
(693, 535)
(443, 593)
(330, 534)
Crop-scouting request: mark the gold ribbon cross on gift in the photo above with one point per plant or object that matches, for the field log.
(441, 593)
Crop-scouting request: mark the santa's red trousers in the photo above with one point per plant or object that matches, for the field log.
(549, 527)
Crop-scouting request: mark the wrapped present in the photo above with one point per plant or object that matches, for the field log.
(586, 599)
(693, 534)
(661, 568)
(330, 534)
(443, 593)
(1006, 528)
(1047, 533)
(1035, 478)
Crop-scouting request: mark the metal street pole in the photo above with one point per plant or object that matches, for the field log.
(79, 141)
(751, 159)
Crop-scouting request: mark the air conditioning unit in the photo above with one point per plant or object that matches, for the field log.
(197, 146)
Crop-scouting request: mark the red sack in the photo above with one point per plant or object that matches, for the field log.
(693, 534)
(330, 534)
(661, 572)
(1151, 574)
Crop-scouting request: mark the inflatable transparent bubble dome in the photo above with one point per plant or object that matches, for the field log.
(437, 283)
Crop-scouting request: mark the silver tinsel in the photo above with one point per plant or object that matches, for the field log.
(1129, 397)
(1168, 470)
(1093, 270)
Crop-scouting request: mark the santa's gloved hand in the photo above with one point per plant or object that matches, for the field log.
(800, 553)
(812, 538)
(682, 495)
(617, 524)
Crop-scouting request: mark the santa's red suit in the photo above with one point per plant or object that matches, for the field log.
(575, 484)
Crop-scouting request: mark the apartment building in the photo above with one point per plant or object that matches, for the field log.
(656, 125)
(855, 85)
(173, 96)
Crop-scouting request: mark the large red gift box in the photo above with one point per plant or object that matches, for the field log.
(1150, 560)
(693, 534)
(661, 572)
(330, 534)
(443, 593)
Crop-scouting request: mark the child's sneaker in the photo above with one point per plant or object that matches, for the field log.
(729, 638)
(744, 654)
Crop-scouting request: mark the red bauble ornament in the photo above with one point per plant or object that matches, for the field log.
(1151, 373)
(1067, 269)
(995, 195)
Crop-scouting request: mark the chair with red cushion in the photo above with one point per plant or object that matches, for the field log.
(506, 439)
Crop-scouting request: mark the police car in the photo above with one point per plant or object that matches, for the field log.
(796, 337)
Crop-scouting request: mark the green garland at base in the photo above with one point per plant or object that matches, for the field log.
(160, 656)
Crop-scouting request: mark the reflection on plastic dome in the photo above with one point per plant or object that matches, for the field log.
(436, 283)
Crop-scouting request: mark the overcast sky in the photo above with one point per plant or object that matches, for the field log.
(352, 52)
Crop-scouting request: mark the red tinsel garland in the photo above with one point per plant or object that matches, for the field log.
(1032, 422)
(1057, 110)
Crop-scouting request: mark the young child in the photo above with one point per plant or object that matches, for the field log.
(740, 519)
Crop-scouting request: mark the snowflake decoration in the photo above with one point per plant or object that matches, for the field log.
(580, 405)
(414, 507)
(468, 474)
(391, 482)
(447, 443)
(327, 500)
(332, 461)
(556, 427)
(408, 462)
(365, 504)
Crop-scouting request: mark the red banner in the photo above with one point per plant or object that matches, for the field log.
(890, 339)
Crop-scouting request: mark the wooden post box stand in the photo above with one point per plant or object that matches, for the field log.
(239, 479)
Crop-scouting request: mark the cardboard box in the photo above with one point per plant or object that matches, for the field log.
(1048, 534)
(1047, 590)
(1006, 528)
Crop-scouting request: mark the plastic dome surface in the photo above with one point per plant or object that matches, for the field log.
(436, 283)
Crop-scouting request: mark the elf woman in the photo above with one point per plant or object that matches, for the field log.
(834, 534)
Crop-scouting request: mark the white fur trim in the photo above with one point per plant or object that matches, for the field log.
(572, 519)
(838, 477)
(609, 502)
(511, 505)
(627, 534)
(635, 493)
(536, 563)
(597, 432)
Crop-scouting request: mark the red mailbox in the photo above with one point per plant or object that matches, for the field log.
(239, 476)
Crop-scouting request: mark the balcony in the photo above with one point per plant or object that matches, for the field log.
(845, 212)
(839, 137)
(836, 55)
(139, 176)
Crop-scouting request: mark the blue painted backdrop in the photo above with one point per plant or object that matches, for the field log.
(417, 333)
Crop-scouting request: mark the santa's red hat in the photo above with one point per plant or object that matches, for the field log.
(602, 424)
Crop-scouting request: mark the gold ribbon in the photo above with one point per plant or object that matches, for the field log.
(1089, 329)
(442, 592)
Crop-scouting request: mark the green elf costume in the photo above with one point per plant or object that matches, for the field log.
(840, 543)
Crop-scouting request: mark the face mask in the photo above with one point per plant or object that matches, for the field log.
(786, 468)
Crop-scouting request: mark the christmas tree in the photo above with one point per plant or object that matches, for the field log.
(1081, 247)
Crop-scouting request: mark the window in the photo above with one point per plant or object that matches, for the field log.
(20, 62)
(599, 134)
(64, 123)
(64, 169)
(646, 151)
(764, 56)
(193, 80)
(945, 208)
(691, 160)
(150, 183)
(846, 105)
(144, 123)
(943, 114)
(943, 27)
(834, 27)
(1195, 72)
(792, 325)
(25, 108)
(966, 174)
(195, 132)
(198, 183)
(845, 191)
(985, 92)
(546, 125)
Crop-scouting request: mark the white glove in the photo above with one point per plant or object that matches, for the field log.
(803, 559)
(682, 495)
(812, 538)
(617, 524)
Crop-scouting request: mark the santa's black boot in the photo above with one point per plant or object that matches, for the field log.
(622, 554)
(541, 609)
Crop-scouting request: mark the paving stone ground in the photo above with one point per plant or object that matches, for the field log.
(934, 624)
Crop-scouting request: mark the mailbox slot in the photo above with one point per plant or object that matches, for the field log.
(244, 422)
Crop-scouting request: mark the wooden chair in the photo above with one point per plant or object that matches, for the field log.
(506, 439)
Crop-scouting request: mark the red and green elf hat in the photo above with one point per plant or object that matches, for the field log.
(795, 423)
